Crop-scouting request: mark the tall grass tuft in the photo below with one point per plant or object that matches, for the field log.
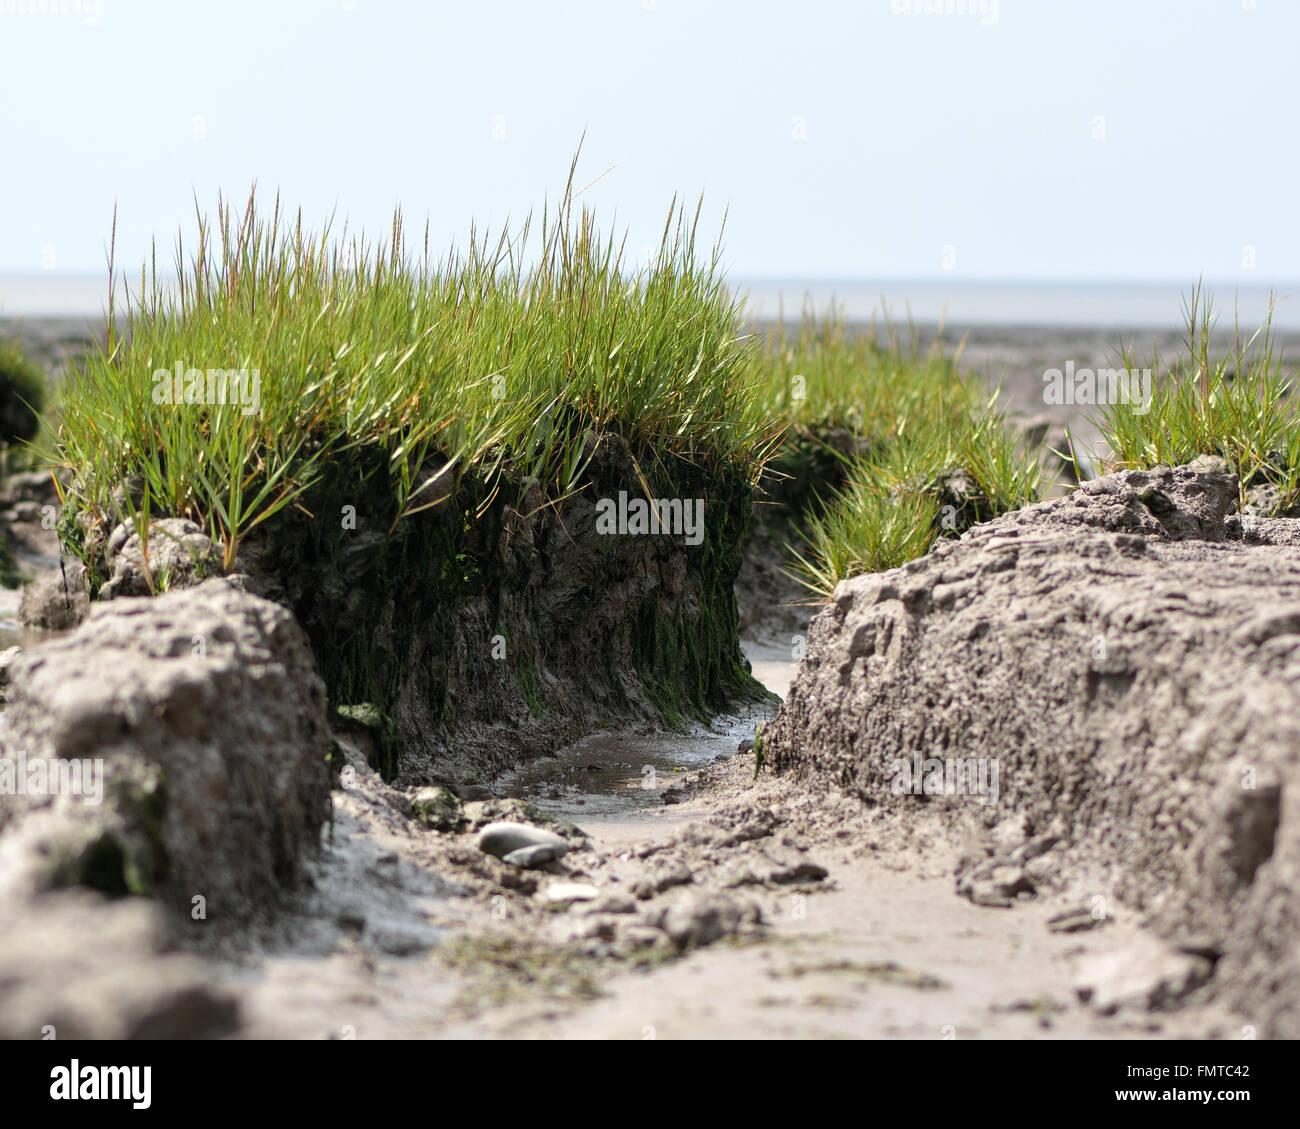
(916, 425)
(825, 374)
(1234, 402)
(513, 354)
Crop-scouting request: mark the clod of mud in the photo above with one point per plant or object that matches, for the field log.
(178, 555)
(437, 808)
(1120, 662)
(188, 739)
(57, 600)
(76, 966)
(693, 922)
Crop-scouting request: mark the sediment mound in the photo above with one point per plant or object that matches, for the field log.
(174, 746)
(1128, 658)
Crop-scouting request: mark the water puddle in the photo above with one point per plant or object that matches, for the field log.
(618, 774)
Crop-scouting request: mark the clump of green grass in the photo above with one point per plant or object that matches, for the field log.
(1234, 402)
(928, 452)
(938, 480)
(513, 355)
(845, 392)
(826, 374)
(22, 392)
(871, 527)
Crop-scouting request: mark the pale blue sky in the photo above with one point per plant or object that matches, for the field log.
(923, 132)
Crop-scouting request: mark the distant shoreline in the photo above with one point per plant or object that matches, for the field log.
(1136, 307)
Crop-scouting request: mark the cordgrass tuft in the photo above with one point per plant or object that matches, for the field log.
(927, 452)
(513, 355)
(1234, 402)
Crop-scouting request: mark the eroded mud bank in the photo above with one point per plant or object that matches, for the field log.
(1124, 659)
(496, 622)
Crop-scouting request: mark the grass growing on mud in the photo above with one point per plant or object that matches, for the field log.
(919, 447)
(505, 363)
(495, 358)
(1234, 402)
(901, 493)
(824, 374)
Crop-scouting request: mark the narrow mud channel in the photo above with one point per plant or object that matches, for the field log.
(835, 921)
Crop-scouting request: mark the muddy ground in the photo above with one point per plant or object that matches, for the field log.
(746, 906)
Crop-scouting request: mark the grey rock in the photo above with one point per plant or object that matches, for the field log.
(530, 846)
(180, 555)
(202, 715)
(1135, 676)
(530, 857)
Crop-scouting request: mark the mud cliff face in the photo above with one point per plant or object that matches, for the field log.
(495, 624)
(1129, 661)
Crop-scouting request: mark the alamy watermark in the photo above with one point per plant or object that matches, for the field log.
(52, 776)
(1098, 387)
(102, 1083)
(986, 10)
(209, 386)
(683, 517)
(949, 776)
(90, 11)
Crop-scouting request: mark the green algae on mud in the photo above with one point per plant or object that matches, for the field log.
(494, 610)
(483, 612)
(505, 969)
